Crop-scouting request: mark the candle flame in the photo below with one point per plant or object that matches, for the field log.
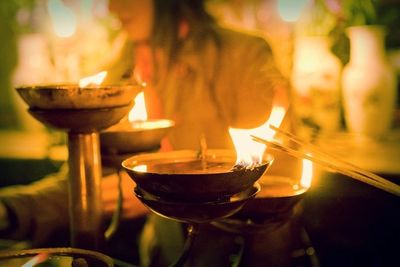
(307, 173)
(138, 112)
(140, 168)
(96, 79)
(250, 152)
(63, 18)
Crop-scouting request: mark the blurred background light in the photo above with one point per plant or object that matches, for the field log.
(290, 10)
(63, 18)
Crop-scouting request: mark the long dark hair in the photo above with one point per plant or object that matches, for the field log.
(167, 18)
(202, 28)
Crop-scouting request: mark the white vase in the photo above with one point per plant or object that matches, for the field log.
(369, 83)
(316, 79)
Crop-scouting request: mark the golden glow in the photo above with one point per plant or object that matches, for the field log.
(63, 18)
(140, 168)
(307, 173)
(151, 124)
(138, 112)
(96, 79)
(250, 152)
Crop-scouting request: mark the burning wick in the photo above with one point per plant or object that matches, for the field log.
(94, 80)
(249, 153)
(203, 157)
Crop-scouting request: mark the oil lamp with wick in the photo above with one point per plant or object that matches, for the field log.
(270, 215)
(133, 134)
(279, 193)
(82, 110)
(197, 187)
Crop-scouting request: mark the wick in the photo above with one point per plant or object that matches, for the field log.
(203, 151)
(240, 166)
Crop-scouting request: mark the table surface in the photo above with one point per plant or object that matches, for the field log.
(375, 155)
(348, 222)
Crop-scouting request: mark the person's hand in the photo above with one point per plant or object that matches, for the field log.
(131, 206)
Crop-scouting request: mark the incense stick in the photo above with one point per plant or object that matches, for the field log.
(365, 176)
(203, 151)
(321, 152)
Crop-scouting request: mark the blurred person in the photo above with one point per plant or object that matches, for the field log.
(262, 17)
(202, 76)
(188, 62)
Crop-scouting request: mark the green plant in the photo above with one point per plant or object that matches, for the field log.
(316, 19)
(357, 12)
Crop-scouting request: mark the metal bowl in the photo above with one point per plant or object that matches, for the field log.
(276, 200)
(175, 176)
(55, 257)
(71, 96)
(134, 137)
(261, 214)
(80, 120)
(271, 208)
(200, 212)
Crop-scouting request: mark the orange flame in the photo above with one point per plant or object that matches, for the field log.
(250, 152)
(307, 173)
(138, 112)
(138, 116)
(140, 168)
(96, 79)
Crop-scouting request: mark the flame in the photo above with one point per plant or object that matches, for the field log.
(96, 79)
(307, 173)
(140, 168)
(250, 152)
(138, 112)
(63, 18)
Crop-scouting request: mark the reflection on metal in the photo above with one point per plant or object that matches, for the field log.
(84, 190)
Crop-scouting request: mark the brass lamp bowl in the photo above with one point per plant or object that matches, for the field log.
(80, 120)
(196, 212)
(274, 205)
(282, 188)
(180, 175)
(271, 208)
(261, 214)
(71, 96)
(56, 256)
(134, 137)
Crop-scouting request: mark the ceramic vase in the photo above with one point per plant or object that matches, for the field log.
(316, 79)
(369, 83)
